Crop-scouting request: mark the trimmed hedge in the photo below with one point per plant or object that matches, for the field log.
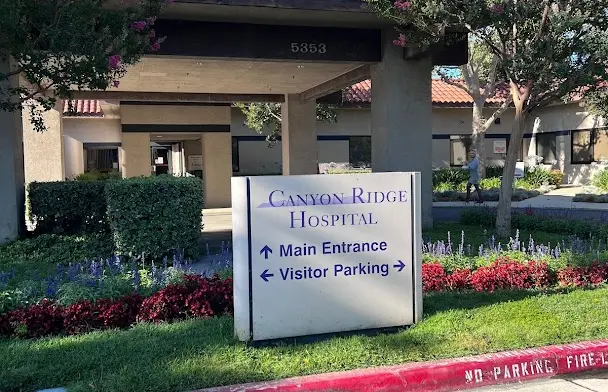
(68, 207)
(155, 216)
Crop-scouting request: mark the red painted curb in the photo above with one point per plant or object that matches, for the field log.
(451, 374)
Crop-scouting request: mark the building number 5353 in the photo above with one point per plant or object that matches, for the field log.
(305, 47)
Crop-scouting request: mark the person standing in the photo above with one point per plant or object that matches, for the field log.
(473, 167)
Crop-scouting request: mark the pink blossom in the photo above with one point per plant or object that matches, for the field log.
(115, 61)
(155, 46)
(403, 5)
(401, 41)
(116, 83)
(497, 8)
(152, 34)
(139, 25)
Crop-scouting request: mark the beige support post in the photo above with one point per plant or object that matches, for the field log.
(299, 136)
(136, 155)
(217, 169)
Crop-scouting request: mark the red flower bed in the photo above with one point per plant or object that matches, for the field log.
(196, 297)
(592, 275)
(433, 277)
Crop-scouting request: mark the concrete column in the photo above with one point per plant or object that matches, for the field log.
(299, 136)
(217, 169)
(12, 179)
(402, 137)
(136, 155)
(74, 157)
(43, 152)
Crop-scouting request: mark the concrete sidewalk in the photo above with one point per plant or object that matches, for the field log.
(595, 382)
(561, 198)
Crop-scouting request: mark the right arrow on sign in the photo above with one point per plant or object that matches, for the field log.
(265, 275)
(399, 266)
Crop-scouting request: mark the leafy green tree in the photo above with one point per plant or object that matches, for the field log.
(56, 46)
(265, 118)
(481, 79)
(547, 50)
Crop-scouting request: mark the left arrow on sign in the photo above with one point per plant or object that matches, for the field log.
(265, 275)
(399, 266)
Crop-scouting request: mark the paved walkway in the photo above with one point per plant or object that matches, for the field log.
(597, 382)
(561, 198)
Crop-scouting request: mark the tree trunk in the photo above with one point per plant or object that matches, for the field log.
(503, 214)
(479, 135)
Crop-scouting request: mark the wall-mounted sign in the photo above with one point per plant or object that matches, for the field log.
(278, 42)
(325, 254)
(195, 162)
(500, 146)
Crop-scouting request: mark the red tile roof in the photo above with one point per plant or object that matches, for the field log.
(444, 94)
(361, 93)
(83, 108)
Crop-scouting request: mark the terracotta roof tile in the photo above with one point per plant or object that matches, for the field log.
(443, 94)
(83, 108)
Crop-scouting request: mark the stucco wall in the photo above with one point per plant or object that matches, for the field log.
(217, 169)
(174, 114)
(74, 157)
(43, 151)
(93, 130)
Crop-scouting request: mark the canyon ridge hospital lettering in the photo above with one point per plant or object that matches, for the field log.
(325, 253)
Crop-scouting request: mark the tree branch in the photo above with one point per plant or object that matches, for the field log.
(14, 73)
(449, 81)
(505, 105)
(491, 86)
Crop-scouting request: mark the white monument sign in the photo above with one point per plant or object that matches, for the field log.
(324, 254)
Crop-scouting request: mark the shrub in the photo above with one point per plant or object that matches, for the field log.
(95, 175)
(510, 274)
(593, 275)
(490, 183)
(557, 177)
(539, 176)
(80, 317)
(600, 180)
(494, 171)
(37, 320)
(155, 216)
(450, 175)
(68, 207)
(433, 277)
(119, 313)
(459, 279)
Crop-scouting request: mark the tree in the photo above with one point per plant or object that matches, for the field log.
(56, 46)
(267, 116)
(547, 50)
(482, 80)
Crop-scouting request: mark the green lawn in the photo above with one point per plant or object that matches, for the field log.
(197, 354)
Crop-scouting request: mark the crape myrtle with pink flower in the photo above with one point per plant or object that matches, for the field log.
(57, 46)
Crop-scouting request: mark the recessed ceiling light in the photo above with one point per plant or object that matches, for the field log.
(300, 66)
(159, 136)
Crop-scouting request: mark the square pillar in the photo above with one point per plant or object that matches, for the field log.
(43, 152)
(299, 136)
(74, 157)
(12, 178)
(217, 169)
(402, 137)
(136, 155)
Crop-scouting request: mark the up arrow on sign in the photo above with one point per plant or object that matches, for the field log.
(266, 251)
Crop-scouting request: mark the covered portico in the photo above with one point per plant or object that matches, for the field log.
(291, 52)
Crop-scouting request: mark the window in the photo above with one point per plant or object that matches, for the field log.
(582, 146)
(235, 155)
(589, 145)
(460, 146)
(546, 147)
(360, 151)
(101, 159)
